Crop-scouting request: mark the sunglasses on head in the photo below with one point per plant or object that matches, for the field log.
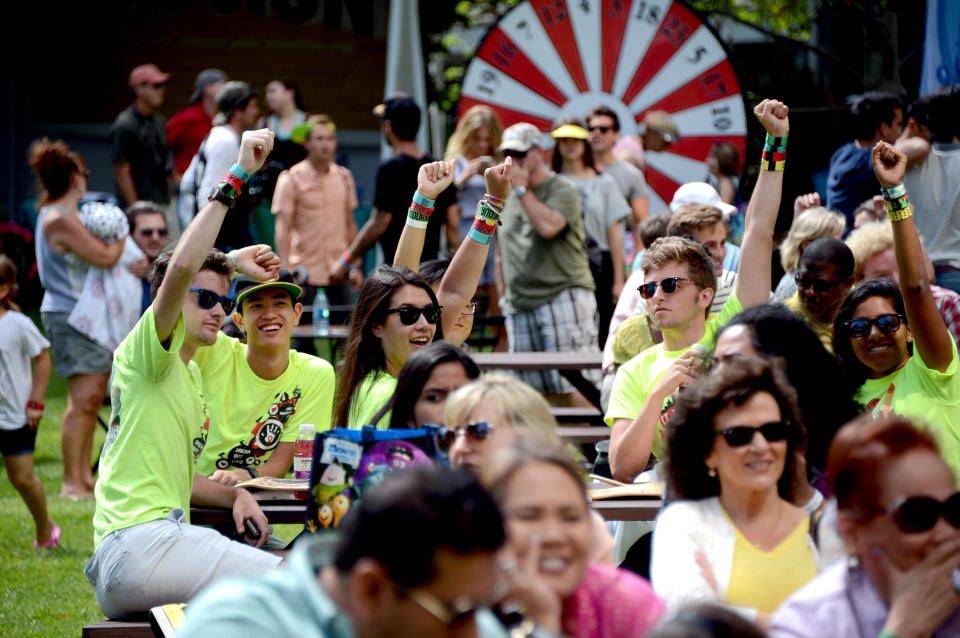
(818, 285)
(207, 299)
(602, 129)
(475, 432)
(917, 514)
(741, 435)
(410, 315)
(669, 285)
(514, 154)
(887, 324)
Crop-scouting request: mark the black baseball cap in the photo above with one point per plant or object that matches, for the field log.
(247, 286)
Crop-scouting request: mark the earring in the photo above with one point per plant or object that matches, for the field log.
(711, 472)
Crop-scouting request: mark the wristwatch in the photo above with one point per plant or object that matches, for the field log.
(521, 191)
(222, 197)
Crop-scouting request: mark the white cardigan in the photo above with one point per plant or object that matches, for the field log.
(686, 527)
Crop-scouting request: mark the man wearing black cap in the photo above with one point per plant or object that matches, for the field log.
(138, 143)
(237, 110)
(396, 183)
(259, 393)
(186, 129)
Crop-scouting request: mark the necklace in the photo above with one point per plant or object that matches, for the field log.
(763, 545)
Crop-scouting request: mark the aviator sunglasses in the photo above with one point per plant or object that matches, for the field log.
(669, 285)
(741, 435)
(920, 513)
(887, 324)
(475, 432)
(207, 299)
(410, 315)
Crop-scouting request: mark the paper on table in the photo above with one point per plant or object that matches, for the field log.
(646, 490)
(271, 483)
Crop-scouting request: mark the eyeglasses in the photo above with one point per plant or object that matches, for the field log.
(602, 129)
(475, 433)
(410, 315)
(470, 308)
(818, 285)
(207, 299)
(147, 232)
(887, 324)
(461, 610)
(669, 286)
(741, 435)
(514, 154)
(917, 514)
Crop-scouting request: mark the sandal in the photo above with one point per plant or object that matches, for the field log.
(50, 544)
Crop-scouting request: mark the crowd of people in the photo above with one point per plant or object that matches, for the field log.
(807, 429)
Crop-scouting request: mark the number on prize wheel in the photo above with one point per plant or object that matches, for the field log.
(547, 59)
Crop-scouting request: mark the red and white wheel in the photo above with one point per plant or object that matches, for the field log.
(547, 59)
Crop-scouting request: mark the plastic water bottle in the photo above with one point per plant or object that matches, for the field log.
(321, 314)
(303, 455)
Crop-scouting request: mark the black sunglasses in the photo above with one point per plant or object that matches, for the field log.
(887, 324)
(602, 129)
(917, 514)
(410, 315)
(818, 285)
(146, 232)
(669, 285)
(475, 432)
(743, 434)
(207, 299)
(514, 154)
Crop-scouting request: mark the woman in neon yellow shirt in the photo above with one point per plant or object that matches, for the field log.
(733, 535)
(894, 340)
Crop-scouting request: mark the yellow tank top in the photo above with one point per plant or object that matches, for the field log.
(762, 580)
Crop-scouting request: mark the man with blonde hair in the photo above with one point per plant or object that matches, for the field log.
(679, 285)
(705, 224)
(873, 255)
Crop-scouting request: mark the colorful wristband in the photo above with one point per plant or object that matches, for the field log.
(425, 212)
(481, 232)
(423, 201)
(901, 214)
(345, 262)
(239, 172)
(416, 223)
(896, 192)
(776, 142)
(35, 405)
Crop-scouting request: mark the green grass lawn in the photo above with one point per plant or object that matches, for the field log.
(44, 593)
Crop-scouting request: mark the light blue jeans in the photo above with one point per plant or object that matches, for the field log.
(166, 561)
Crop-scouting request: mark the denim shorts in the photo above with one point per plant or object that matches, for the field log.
(73, 352)
(166, 561)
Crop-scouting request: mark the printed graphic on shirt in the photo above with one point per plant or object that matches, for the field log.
(264, 436)
(114, 430)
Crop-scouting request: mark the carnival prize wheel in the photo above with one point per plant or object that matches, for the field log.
(547, 59)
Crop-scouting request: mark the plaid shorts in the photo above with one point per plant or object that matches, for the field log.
(566, 323)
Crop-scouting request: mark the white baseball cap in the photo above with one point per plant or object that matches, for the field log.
(701, 193)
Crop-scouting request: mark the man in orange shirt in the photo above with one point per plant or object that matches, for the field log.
(313, 204)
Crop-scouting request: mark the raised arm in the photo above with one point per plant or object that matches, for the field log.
(460, 281)
(196, 242)
(432, 179)
(753, 271)
(930, 334)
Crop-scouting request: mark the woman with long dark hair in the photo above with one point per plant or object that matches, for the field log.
(65, 250)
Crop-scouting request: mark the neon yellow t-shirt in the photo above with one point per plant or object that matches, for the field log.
(824, 330)
(375, 390)
(146, 467)
(930, 397)
(250, 416)
(762, 580)
(636, 378)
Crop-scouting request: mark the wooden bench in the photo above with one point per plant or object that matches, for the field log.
(593, 416)
(583, 434)
(117, 629)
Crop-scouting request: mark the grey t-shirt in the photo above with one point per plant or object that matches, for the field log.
(629, 179)
(536, 269)
(934, 191)
(602, 204)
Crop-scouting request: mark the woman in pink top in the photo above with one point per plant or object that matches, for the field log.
(547, 556)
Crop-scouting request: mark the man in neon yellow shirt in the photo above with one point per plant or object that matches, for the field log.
(147, 553)
(679, 285)
(259, 393)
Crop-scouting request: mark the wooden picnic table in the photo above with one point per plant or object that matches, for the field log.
(569, 364)
(305, 330)
(294, 511)
(583, 434)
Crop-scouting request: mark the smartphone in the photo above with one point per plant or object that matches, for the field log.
(486, 160)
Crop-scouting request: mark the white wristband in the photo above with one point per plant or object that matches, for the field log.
(416, 223)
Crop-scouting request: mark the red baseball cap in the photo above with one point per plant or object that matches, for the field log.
(148, 74)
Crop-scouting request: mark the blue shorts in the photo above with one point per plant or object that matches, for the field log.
(20, 441)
